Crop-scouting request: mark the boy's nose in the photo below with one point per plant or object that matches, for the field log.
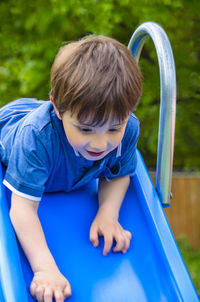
(98, 145)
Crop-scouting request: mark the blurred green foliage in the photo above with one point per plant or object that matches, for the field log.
(192, 260)
(31, 33)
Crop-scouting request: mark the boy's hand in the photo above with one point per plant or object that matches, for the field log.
(110, 229)
(47, 285)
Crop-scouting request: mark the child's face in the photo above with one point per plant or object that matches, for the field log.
(93, 143)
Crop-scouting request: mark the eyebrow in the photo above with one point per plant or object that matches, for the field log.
(81, 125)
(120, 124)
(89, 125)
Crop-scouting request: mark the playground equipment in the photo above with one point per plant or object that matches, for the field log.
(168, 102)
(153, 269)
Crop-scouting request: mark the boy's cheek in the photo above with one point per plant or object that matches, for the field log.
(75, 139)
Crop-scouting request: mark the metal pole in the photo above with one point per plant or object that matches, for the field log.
(167, 103)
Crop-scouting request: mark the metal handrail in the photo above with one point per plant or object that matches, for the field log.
(167, 117)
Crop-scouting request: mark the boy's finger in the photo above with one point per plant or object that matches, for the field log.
(128, 234)
(67, 291)
(58, 295)
(126, 245)
(48, 294)
(119, 246)
(94, 236)
(33, 288)
(39, 293)
(120, 243)
(108, 241)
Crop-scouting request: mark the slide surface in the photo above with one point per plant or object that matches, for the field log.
(152, 269)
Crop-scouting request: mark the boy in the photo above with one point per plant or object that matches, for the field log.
(85, 131)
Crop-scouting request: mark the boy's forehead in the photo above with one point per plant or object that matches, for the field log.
(88, 121)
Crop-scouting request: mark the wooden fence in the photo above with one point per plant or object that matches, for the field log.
(184, 213)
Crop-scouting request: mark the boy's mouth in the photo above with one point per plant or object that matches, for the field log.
(95, 153)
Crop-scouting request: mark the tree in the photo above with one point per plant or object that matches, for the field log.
(32, 31)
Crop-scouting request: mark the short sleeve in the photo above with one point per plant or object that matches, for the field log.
(28, 166)
(126, 163)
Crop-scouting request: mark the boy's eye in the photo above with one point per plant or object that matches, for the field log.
(85, 130)
(114, 129)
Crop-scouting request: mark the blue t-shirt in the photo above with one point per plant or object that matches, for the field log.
(39, 158)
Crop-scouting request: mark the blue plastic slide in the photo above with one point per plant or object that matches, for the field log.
(152, 269)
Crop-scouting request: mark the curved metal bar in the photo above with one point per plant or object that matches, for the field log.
(167, 104)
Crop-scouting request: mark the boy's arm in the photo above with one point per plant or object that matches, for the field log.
(111, 195)
(47, 281)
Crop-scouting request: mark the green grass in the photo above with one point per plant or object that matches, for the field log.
(192, 260)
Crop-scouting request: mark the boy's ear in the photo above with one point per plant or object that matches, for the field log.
(56, 110)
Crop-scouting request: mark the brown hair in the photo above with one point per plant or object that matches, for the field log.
(97, 78)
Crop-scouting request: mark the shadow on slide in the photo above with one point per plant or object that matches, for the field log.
(152, 269)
